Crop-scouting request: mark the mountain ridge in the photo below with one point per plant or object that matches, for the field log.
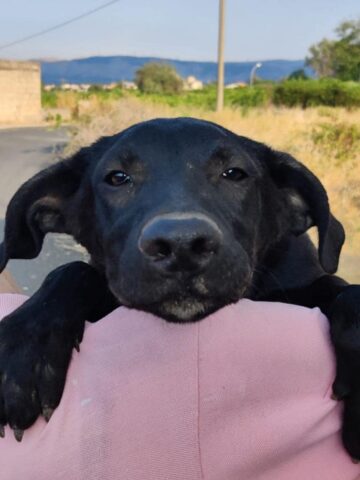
(106, 69)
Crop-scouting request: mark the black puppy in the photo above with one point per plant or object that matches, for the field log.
(180, 217)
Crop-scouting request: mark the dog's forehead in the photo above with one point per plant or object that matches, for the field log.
(177, 128)
(174, 136)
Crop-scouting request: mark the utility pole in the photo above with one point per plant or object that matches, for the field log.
(220, 78)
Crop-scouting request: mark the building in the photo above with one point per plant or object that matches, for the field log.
(20, 92)
(192, 83)
(236, 85)
(128, 85)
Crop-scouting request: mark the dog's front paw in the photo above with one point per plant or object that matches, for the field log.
(347, 388)
(351, 425)
(34, 358)
(345, 333)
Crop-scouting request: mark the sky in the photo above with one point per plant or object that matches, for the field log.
(184, 29)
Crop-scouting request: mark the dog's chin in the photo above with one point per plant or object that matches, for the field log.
(183, 310)
(182, 306)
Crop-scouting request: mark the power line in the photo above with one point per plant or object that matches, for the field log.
(59, 25)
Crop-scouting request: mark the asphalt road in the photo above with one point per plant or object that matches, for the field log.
(23, 152)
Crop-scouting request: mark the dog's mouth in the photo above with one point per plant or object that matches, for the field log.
(186, 309)
(182, 297)
(186, 305)
(182, 309)
(178, 306)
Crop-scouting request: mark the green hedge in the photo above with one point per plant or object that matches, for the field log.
(206, 98)
(256, 96)
(312, 93)
(289, 93)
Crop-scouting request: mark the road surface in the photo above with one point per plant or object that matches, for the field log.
(23, 152)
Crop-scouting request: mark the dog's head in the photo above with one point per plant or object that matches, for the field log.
(178, 213)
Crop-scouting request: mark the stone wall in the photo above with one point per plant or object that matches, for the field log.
(20, 93)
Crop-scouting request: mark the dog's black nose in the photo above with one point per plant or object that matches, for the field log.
(182, 241)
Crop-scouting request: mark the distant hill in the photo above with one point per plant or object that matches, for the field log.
(113, 69)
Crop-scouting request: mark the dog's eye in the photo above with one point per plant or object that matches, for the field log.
(117, 178)
(234, 174)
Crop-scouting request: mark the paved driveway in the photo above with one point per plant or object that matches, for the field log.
(23, 152)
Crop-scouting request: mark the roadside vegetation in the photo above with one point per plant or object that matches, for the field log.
(289, 93)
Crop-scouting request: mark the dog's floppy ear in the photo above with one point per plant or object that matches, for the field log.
(48, 203)
(309, 205)
(40, 206)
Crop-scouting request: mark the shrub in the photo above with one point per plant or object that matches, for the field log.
(49, 99)
(256, 96)
(340, 140)
(299, 74)
(311, 93)
(244, 97)
(95, 88)
(158, 78)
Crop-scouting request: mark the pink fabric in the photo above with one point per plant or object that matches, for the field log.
(244, 394)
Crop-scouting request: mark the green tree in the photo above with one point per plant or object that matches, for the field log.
(338, 58)
(321, 58)
(347, 51)
(298, 75)
(158, 78)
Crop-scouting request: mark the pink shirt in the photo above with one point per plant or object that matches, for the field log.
(241, 395)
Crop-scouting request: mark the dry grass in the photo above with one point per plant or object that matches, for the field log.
(67, 100)
(100, 119)
(337, 164)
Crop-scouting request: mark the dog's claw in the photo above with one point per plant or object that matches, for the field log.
(18, 434)
(47, 413)
(2, 431)
(77, 345)
(335, 397)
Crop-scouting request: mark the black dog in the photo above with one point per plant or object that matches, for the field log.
(181, 217)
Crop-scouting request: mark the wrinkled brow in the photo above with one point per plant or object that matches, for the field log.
(222, 154)
(127, 157)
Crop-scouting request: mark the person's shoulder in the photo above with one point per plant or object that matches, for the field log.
(235, 316)
(10, 302)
